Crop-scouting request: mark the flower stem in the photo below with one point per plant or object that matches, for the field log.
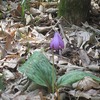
(58, 96)
(53, 72)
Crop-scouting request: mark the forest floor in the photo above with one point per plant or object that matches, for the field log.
(26, 29)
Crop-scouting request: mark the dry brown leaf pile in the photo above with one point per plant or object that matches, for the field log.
(20, 38)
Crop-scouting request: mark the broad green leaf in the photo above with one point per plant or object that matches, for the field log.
(74, 76)
(39, 70)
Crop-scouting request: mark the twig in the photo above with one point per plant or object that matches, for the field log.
(47, 34)
(62, 32)
(8, 62)
(71, 66)
(53, 27)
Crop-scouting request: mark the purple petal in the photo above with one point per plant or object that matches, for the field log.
(57, 42)
(61, 42)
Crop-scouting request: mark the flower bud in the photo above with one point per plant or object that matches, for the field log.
(57, 42)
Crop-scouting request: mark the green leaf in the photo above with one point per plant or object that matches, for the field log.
(23, 1)
(25, 6)
(39, 70)
(74, 76)
(2, 87)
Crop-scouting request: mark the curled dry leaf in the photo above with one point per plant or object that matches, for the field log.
(3, 8)
(85, 84)
(79, 94)
(8, 75)
(3, 52)
(52, 10)
(34, 11)
(28, 19)
(6, 96)
(91, 52)
(69, 67)
(42, 29)
(23, 49)
(82, 38)
(33, 95)
(3, 25)
(17, 35)
(21, 85)
(13, 5)
(62, 61)
(94, 67)
(16, 25)
(92, 92)
(50, 4)
(35, 33)
(96, 54)
(85, 35)
(16, 10)
(26, 40)
(50, 17)
(28, 96)
(24, 29)
(84, 58)
(79, 41)
(20, 97)
(42, 8)
(11, 63)
(95, 30)
(9, 40)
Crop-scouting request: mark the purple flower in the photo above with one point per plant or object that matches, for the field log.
(57, 42)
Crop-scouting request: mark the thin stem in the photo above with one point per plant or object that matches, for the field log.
(53, 84)
(58, 96)
(53, 72)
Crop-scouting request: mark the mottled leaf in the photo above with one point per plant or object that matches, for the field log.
(74, 76)
(39, 70)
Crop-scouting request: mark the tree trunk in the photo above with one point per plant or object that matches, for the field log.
(75, 11)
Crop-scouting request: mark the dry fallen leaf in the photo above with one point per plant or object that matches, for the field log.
(9, 40)
(94, 67)
(79, 94)
(8, 75)
(28, 19)
(24, 29)
(11, 63)
(34, 11)
(84, 58)
(34, 35)
(42, 29)
(42, 8)
(85, 84)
